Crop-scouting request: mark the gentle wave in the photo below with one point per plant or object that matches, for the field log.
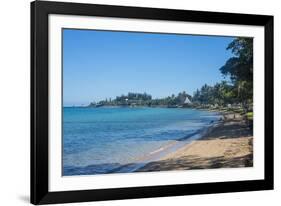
(98, 143)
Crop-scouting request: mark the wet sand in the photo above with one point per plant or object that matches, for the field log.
(226, 145)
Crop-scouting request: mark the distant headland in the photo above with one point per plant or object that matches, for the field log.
(143, 99)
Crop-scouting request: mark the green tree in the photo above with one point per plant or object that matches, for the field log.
(240, 69)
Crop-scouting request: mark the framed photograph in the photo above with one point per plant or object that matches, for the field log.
(131, 102)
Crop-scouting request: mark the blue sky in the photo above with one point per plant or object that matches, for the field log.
(105, 64)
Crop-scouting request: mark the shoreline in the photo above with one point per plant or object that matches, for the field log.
(224, 143)
(167, 149)
(228, 144)
(159, 152)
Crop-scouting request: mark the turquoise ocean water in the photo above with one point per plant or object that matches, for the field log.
(108, 140)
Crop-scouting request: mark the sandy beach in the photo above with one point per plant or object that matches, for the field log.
(229, 144)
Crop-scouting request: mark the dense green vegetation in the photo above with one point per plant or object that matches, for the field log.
(239, 91)
(250, 115)
(236, 94)
(143, 99)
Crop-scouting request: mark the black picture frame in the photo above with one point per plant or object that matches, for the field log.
(40, 114)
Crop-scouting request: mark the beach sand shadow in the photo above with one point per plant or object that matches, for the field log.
(230, 129)
(195, 162)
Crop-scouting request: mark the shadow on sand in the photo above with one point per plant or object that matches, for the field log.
(195, 162)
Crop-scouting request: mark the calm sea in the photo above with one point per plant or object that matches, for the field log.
(106, 140)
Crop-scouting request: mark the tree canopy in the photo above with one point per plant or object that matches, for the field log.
(144, 99)
(240, 70)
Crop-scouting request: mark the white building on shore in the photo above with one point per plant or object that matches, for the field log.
(187, 101)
